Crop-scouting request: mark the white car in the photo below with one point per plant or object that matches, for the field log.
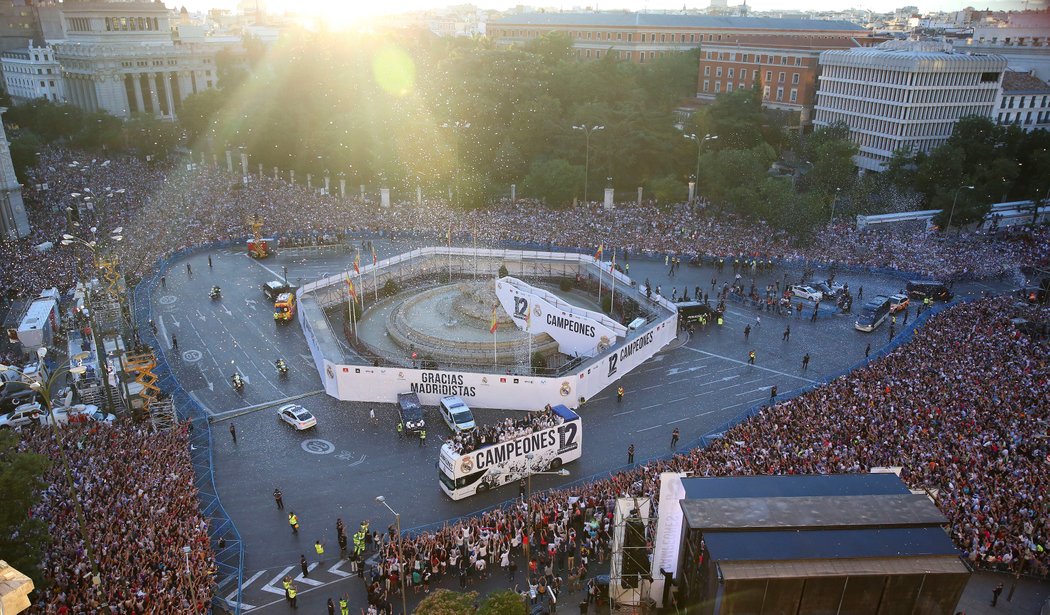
(456, 414)
(30, 414)
(296, 416)
(806, 292)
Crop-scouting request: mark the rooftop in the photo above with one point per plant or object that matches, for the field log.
(662, 20)
(1017, 82)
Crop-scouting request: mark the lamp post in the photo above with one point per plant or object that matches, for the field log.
(43, 387)
(528, 502)
(400, 559)
(699, 150)
(834, 203)
(587, 131)
(955, 200)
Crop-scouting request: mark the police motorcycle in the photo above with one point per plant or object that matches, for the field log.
(216, 292)
(238, 382)
(282, 367)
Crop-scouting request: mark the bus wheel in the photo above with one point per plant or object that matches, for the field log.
(483, 487)
(554, 464)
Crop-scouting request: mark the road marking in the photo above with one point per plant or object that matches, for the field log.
(628, 412)
(680, 420)
(275, 274)
(303, 579)
(269, 586)
(652, 406)
(335, 569)
(752, 391)
(232, 602)
(318, 446)
(647, 428)
(766, 369)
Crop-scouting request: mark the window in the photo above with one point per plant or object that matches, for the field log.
(798, 61)
(707, 71)
(663, 38)
(740, 85)
(794, 78)
(780, 94)
(718, 87)
(765, 92)
(743, 58)
(794, 95)
(781, 79)
(731, 73)
(707, 85)
(754, 75)
(718, 71)
(769, 75)
(729, 87)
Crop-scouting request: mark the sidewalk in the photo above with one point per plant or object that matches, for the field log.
(1028, 595)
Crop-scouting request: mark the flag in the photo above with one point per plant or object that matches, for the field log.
(495, 323)
(350, 287)
(357, 263)
(612, 265)
(598, 254)
(375, 261)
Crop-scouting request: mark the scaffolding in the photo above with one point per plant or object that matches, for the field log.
(630, 593)
(141, 365)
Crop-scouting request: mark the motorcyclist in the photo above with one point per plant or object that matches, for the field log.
(216, 291)
(281, 365)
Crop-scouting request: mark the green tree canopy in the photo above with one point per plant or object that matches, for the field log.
(22, 538)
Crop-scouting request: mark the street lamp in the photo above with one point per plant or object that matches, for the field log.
(400, 559)
(834, 203)
(43, 387)
(587, 155)
(699, 149)
(951, 214)
(528, 502)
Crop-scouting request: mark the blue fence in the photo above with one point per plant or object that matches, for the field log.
(229, 558)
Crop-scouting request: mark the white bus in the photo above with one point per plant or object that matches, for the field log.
(464, 474)
(873, 314)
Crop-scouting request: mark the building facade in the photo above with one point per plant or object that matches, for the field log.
(785, 67)
(120, 58)
(32, 73)
(14, 223)
(1024, 101)
(19, 25)
(642, 37)
(903, 95)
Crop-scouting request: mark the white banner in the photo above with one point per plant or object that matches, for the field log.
(579, 332)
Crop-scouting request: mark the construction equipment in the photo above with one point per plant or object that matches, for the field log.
(284, 308)
(141, 365)
(258, 246)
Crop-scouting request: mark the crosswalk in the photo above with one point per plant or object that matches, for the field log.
(263, 587)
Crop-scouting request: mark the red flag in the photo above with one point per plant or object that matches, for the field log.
(495, 323)
(598, 254)
(357, 263)
(350, 287)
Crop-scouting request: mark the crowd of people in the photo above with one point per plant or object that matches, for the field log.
(962, 408)
(162, 209)
(507, 429)
(140, 508)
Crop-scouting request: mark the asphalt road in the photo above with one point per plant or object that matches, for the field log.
(338, 468)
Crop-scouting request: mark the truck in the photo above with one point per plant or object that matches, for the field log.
(284, 308)
(38, 326)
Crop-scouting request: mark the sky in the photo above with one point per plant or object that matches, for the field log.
(349, 10)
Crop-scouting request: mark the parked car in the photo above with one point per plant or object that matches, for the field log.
(26, 414)
(14, 394)
(806, 292)
(829, 290)
(457, 414)
(899, 303)
(296, 416)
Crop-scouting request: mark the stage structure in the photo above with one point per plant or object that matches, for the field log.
(596, 350)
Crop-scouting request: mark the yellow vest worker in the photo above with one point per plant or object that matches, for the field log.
(344, 607)
(319, 547)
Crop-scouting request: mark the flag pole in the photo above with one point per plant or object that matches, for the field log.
(475, 253)
(375, 283)
(449, 237)
(599, 278)
(612, 277)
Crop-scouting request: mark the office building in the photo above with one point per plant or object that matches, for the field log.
(1024, 101)
(642, 37)
(32, 73)
(903, 95)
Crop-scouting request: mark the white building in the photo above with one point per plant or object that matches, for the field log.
(1024, 101)
(32, 73)
(120, 57)
(14, 222)
(903, 95)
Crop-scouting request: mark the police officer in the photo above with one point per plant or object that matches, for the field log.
(344, 605)
(630, 453)
(422, 437)
(359, 543)
(320, 550)
(751, 357)
(291, 595)
(400, 429)
(619, 393)
(287, 583)
(342, 545)
(294, 522)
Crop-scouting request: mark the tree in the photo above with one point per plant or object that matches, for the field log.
(199, 111)
(22, 538)
(555, 181)
(25, 152)
(829, 152)
(503, 602)
(151, 136)
(668, 189)
(446, 602)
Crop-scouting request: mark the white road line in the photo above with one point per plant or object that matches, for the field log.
(765, 369)
(752, 391)
(675, 401)
(275, 274)
(680, 420)
(306, 580)
(269, 586)
(628, 412)
(652, 406)
(231, 598)
(647, 428)
(336, 571)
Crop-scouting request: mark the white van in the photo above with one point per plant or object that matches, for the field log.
(456, 414)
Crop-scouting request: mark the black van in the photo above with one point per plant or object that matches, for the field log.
(411, 412)
(275, 287)
(937, 291)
